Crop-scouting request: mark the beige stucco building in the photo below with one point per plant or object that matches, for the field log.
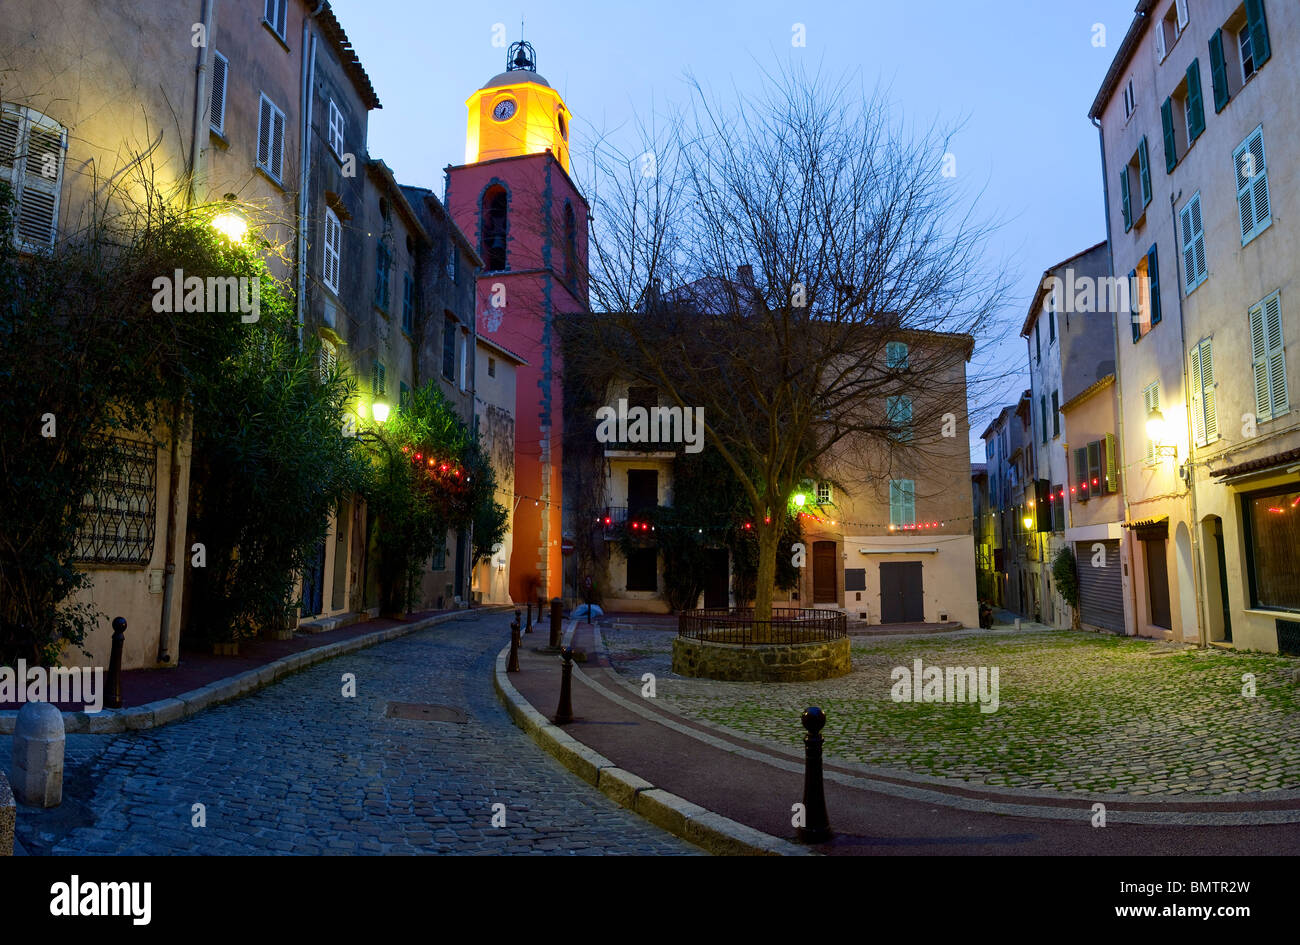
(1198, 116)
(494, 413)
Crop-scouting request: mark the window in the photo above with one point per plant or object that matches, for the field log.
(1057, 501)
(333, 250)
(119, 516)
(494, 224)
(439, 559)
(31, 162)
(449, 348)
(643, 570)
(464, 367)
(1056, 413)
(336, 129)
(1042, 414)
(408, 303)
(823, 493)
(1268, 358)
(276, 16)
(1130, 103)
(217, 102)
(452, 256)
(896, 356)
(1051, 324)
(1253, 205)
(1271, 521)
(1140, 166)
(1194, 266)
(270, 139)
(383, 261)
(899, 411)
(570, 243)
(378, 381)
(902, 502)
(1205, 417)
(1150, 402)
(1169, 29)
(492, 367)
(1038, 342)
(403, 395)
(328, 360)
(1146, 295)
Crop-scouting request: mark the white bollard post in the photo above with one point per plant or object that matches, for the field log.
(1017, 623)
(37, 772)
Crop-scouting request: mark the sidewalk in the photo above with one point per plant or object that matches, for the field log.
(152, 697)
(734, 794)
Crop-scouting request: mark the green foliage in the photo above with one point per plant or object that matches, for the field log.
(1066, 575)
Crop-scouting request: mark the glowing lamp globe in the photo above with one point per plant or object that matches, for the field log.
(800, 499)
(231, 224)
(1156, 427)
(379, 410)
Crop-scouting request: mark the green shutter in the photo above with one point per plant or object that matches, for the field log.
(1135, 302)
(1258, 26)
(1167, 122)
(1112, 461)
(1218, 71)
(1153, 274)
(1124, 203)
(1080, 473)
(909, 501)
(1195, 101)
(1144, 169)
(895, 502)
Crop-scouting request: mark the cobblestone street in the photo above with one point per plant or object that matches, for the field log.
(298, 768)
(1079, 712)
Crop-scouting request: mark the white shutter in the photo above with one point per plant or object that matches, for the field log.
(895, 502)
(1253, 204)
(1193, 233)
(1198, 417)
(909, 502)
(1259, 360)
(328, 358)
(1160, 41)
(264, 133)
(333, 249)
(217, 108)
(31, 159)
(1208, 405)
(1278, 402)
(336, 129)
(1181, 6)
(277, 144)
(1150, 401)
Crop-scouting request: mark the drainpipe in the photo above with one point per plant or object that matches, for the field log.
(1190, 465)
(200, 103)
(305, 99)
(1119, 388)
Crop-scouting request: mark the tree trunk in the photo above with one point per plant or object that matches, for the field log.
(765, 580)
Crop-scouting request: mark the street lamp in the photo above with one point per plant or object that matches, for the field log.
(1157, 432)
(800, 499)
(379, 410)
(231, 222)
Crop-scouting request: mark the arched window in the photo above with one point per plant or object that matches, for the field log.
(494, 225)
(570, 243)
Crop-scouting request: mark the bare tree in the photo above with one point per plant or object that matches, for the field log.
(756, 259)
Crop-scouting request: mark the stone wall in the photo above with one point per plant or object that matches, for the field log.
(775, 662)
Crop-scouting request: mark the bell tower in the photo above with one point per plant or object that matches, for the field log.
(517, 112)
(514, 199)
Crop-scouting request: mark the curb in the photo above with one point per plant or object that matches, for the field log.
(704, 828)
(186, 704)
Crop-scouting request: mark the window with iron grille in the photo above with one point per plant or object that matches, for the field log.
(119, 515)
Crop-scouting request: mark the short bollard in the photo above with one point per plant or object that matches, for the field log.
(513, 665)
(114, 699)
(564, 713)
(529, 627)
(557, 617)
(36, 774)
(817, 825)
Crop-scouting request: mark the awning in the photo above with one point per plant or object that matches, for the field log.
(1261, 465)
(1150, 529)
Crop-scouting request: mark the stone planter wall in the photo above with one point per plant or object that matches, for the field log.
(767, 662)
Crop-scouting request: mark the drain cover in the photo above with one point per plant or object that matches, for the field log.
(425, 712)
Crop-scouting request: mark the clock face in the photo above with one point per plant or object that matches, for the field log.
(504, 110)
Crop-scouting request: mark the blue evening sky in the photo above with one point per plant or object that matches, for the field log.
(1021, 74)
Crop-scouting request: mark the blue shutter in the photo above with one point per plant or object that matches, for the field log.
(1195, 102)
(1124, 201)
(1167, 124)
(1144, 170)
(1135, 300)
(1218, 71)
(1257, 23)
(1153, 273)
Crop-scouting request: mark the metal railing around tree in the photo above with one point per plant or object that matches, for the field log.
(787, 625)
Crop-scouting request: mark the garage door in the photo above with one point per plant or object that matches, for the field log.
(1101, 589)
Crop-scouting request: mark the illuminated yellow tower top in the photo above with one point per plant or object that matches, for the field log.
(517, 112)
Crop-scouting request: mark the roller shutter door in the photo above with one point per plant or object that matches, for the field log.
(1101, 589)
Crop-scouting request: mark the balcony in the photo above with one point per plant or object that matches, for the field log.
(613, 518)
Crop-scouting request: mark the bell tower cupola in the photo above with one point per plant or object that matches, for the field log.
(517, 112)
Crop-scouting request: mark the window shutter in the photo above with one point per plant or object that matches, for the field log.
(42, 178)
(1198, 415)
(1042, 413)
(1278, 402)
(217, 105)
(1258, 26)
(1144, 168)
(277, 143)
(1081, 473)
(1167, 123)
(333, 249)
(1094, 468)
(1112, 461)
(1259, 359)
(264, 133)
(1181, 7)
(1124, 201)
(1135, 303)
(1195, 101)
(1160, 41)
(1151, 401)
(1208, 404)
(1153, 276)
(1218, 71)
(1263, 210)
(909, 501)
(1252, 186)
(895, 503)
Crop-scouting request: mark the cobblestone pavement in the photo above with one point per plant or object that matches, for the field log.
(298, 768)
(1079, 712)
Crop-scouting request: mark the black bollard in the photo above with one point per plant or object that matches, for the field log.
(114, 700)
(512, 666)
(564, 713)
(529, 628)
(557, 617)
(519, 617)
(817, 825)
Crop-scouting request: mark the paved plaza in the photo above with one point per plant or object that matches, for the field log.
(1078, 712)
(298, 768)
